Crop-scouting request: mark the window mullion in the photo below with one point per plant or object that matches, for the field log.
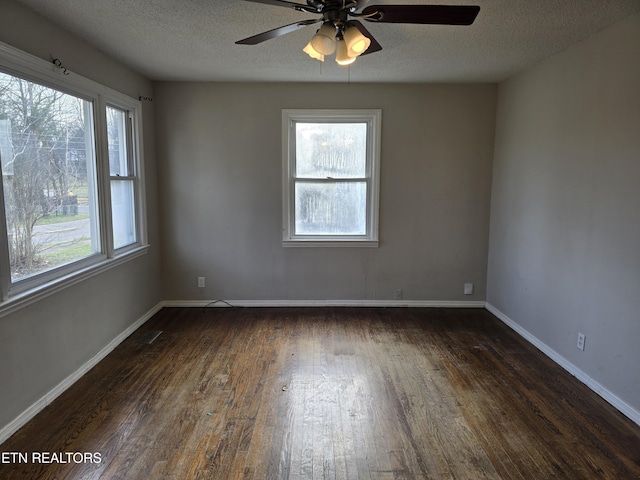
(104, 181)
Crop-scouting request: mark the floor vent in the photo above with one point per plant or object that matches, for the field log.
(149, 337)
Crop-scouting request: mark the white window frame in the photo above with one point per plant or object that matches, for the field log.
(373, 120)
(135, 159)
(17, 294)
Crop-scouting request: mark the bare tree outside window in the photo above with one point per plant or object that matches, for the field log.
(47, 158)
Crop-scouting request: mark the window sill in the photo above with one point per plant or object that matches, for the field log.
(331, 243)
(33, 295)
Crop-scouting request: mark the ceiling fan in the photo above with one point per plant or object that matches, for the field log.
(349, 38)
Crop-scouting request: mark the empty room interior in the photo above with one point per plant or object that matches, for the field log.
(191, 287)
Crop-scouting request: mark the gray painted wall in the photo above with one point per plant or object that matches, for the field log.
(220, 164)
(565, 214)
(44, 343)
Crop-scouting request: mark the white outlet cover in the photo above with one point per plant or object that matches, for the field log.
(468, 288)
(581, 340)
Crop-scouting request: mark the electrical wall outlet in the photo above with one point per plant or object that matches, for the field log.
(468, 288)
(398, 294)
(581, 339)
(200, 282)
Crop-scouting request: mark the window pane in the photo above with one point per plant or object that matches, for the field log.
(122, 209)
(331, 208)
(122, 190)
(336, 150)
(117, 140)
(48, 175)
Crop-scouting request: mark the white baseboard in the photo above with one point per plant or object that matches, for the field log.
(34, 409)
(613, 399)
(324, 303)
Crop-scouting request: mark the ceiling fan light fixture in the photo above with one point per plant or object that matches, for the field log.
(342, 54)
(350, 37)
(356, 42)
(324, 41)
(309, 50)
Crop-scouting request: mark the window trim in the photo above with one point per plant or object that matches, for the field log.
(17, 294)
(135, 159)
(373, 119)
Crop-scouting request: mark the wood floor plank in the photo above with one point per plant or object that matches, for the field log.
(328, 393)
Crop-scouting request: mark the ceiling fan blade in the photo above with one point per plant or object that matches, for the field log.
(284, 3)
(276, 32)
(374, 46)
(423, 14)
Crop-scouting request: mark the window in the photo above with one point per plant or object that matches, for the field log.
(121, 172)
(63, 140)
(331, 177)
(48, 177)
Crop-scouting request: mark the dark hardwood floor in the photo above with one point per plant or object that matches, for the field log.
(335, 393)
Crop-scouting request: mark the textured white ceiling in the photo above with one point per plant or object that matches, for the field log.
(194, 39)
